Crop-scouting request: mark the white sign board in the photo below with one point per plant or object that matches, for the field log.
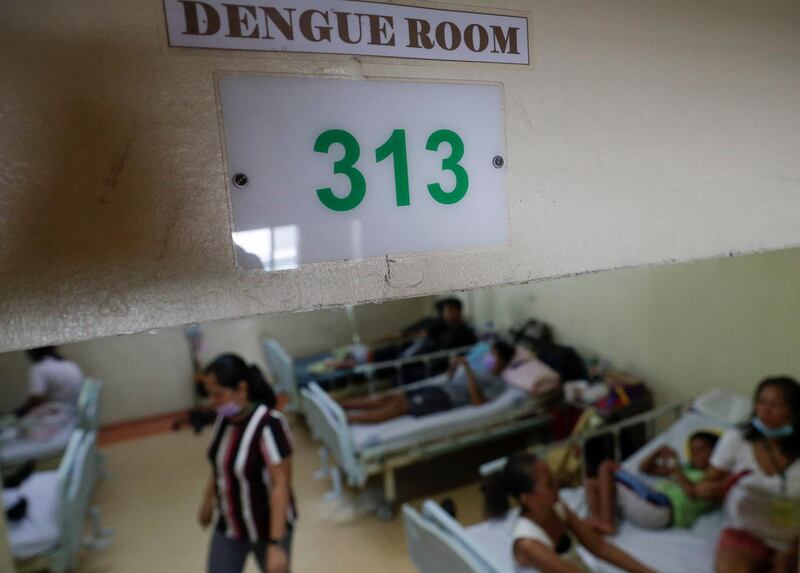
(347, 27)
(322, 169)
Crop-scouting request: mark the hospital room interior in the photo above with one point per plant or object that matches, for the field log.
(642, 352)
(431, 286)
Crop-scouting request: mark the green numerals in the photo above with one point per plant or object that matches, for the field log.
(345, 166)
(395, 147)
(449, 164)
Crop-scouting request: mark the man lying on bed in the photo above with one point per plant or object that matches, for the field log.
(464, 387)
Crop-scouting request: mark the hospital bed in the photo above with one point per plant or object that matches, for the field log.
(361, 451)
(51, 534)
(432, 535)
(292, 375)
(44, 433)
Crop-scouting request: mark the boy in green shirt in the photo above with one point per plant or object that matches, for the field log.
(671, 502)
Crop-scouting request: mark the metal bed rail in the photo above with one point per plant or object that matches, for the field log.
(650, 418)
(281, 365)
(370, 368)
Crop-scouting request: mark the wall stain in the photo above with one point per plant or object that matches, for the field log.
(114, 172)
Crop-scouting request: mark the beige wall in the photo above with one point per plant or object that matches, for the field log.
(150, 374)
(685, 328)
(643, 132)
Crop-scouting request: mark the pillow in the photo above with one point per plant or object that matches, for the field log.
(727, 407)
(522, 354)
(532, 375)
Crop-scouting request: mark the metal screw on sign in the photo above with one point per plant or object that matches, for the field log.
(240, 180)
(498, 161)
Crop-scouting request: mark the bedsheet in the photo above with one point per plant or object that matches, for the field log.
(667, 551)
(20, 449)
(37, 532)
(512, 401)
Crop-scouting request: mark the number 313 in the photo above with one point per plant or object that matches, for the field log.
(395, 147)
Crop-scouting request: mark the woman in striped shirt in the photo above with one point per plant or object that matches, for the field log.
(249, 491)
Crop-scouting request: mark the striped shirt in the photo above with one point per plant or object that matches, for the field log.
(240, 454)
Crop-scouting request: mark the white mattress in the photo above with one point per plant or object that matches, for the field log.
(672, 550)
(19, 450)
(398, 431)
(37, 532)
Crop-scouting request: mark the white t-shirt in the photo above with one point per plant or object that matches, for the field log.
(758, 502)
(528, 529)
(56, 380)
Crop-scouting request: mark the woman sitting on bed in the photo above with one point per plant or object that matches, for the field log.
(756, 469)
(546, 532)
(463, 387)
(668, 504)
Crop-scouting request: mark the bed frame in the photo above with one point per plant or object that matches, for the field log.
(434, 534)
(282, 368)
(437, 542)
(76, 479)
(328, 424)
(86, 418)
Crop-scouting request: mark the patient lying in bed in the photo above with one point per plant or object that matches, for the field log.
(671, 502)
(465, 386)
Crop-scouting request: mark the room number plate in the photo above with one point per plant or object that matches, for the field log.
(326, 170)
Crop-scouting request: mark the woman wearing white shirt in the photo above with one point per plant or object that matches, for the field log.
(547, 532)
(52, 378)
(756, 469)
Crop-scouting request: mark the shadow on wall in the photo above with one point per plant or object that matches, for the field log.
(93, 162)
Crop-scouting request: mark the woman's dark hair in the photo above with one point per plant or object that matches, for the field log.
(39, 354)
(504, 351)
(230, 369)
(512, 481)
(789, 387)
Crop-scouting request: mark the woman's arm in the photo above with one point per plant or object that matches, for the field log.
(712, 486)
(207, 505)
(475, 395)
(279, 499)
(532, 553)
(602, 548)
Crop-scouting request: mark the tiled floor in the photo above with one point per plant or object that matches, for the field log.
(152, 499)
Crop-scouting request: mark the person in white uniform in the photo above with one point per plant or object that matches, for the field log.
(51, 378)
(547, 532)
(756, 469)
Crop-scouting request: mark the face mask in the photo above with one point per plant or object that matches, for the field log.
(772, 433)
(229, 409)
(489, 361)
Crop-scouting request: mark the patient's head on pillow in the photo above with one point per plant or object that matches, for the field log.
(502, 355)
(524, 478)
(701, 445)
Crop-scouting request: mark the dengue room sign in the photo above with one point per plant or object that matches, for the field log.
(331, 169)
(347, 27)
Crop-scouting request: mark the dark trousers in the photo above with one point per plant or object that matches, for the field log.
(226, 555)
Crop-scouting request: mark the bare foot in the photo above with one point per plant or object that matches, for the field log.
(600, 526)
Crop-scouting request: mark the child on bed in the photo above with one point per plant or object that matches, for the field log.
(670, 503)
